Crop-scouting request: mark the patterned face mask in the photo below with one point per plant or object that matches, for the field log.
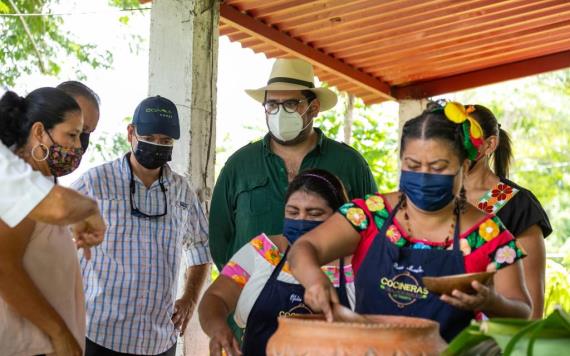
(61, 160)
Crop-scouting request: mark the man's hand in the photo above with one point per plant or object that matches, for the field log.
(89, 232)
(183, 310)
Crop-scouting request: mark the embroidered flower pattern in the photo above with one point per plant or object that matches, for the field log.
(502, 192)
(333, 273)
(496, 198)
(393, 234)
(478, 253)
(272, 255)
(357, 217)
(375, 203)
(489, 230)
(485, 207)
(236, 273)
(505, 254)
(257, 243)
(421, 246)
(266, 249)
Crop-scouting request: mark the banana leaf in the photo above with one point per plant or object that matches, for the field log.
(514, 337)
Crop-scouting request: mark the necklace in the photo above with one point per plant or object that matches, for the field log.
(450, 232)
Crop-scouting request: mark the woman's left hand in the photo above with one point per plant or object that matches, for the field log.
(484, 297)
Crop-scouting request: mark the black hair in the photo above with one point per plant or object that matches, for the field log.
(309, 95)
(322, 183)
(18, 114)
(433, 124)
(503, 155)
(75, 89)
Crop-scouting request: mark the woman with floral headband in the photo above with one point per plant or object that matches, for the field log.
(519, 210)
(425, 229)
(257, 284)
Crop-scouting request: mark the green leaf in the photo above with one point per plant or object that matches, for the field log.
(4, 9)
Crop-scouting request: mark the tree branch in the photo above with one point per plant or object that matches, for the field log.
(29, 33)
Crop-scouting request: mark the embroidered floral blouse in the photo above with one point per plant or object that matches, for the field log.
(486, 242)
(252, 266)
(516, 206)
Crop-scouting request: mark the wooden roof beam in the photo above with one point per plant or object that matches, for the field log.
(485, 76)
(288, 44)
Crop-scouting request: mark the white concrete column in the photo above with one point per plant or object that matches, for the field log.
(183, 68)
(409, 109)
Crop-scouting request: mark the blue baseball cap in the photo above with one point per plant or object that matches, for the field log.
(157, 115)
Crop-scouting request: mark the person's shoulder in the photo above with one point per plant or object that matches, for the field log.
(521, 192)
(245, 155)
(342, 150)
(96, 176)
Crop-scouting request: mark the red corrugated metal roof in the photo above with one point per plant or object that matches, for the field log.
(406, 48)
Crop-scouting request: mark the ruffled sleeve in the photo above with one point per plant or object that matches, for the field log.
(367, 216)
(242, 264)
(523, 211)
(491, 246)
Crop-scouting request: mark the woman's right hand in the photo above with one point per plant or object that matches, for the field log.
(65, 344)
(223, 342)
(320, 297)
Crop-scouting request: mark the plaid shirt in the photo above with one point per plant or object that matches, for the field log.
(131, 280)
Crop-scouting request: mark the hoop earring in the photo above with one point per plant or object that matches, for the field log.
(46, 152)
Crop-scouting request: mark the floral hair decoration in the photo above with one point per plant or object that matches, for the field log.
(472, 131)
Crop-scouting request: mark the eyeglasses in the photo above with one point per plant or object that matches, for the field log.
(159, 141)
(134, 209)
(291, 105)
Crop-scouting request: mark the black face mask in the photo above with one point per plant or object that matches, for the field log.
(84, 139)
(152, 155)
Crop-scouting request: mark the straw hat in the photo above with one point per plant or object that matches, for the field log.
(294, 74)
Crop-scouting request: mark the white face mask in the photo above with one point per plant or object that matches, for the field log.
(286, 126)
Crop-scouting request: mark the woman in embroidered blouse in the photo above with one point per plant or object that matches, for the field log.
(426, 229)
(257, 285)
(519, 210)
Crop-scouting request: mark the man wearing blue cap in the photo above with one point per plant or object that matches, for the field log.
(153, 215)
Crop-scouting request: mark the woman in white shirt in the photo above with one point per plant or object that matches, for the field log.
(257, 285)
(41, 300)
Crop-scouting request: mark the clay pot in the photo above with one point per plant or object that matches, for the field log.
(461, 282)
(381, 335)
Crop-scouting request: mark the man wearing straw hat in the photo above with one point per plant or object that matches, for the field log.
(249, 194)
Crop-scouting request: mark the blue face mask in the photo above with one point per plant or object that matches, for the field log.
(293, 229)
(427, 191)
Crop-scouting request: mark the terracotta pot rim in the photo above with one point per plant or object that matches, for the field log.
(423, 323)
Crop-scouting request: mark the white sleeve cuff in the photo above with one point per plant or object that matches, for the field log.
(25, 203)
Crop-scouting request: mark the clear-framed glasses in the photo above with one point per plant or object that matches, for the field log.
(291, 105)
(163, 141)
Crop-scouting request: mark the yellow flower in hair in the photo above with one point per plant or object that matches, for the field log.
(458, 114)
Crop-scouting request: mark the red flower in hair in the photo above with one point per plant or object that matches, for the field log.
(484, 206)
(502, 192)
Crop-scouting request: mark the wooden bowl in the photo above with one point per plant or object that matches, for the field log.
(461, 282)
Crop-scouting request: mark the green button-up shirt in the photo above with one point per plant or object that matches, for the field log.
(249, 194)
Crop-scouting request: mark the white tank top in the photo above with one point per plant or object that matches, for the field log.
(51, 262)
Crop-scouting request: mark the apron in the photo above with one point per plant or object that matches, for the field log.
(278, 298)
(389, 281)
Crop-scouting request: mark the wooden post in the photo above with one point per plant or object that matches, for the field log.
(348, 118)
